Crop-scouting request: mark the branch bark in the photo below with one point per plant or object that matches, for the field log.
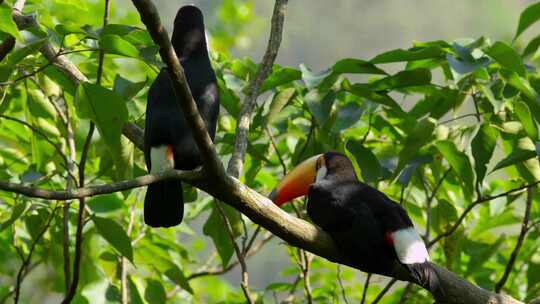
(235, 165)
(228, 189)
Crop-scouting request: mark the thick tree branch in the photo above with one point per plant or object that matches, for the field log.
(235, 165)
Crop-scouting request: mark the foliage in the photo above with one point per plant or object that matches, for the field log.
(457, 120)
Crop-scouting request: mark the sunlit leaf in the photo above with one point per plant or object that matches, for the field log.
(113, 233)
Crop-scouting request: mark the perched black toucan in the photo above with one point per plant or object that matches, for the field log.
(374, 233)
(168, 141)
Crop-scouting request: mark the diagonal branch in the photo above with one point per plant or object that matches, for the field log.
(235, 165)
(150, 18)
(521, 238)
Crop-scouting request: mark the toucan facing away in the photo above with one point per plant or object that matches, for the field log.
(373, 232)
(168, 141)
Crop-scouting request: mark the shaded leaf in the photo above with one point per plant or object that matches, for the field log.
(369, 164)
(312, 79)
(105, 203)
(408, 55)
(458, 160)
(8, 25)
(416, 139)
(113, 233)
(356, 66)
(16, 212)
(320, 104)
(214, 228)
(155, 292)
(278, 103)
(365, 91)
(483, 145)
(403, 79)
(524, 114)
(178, 277)
(507, 57)
(114, 44)
(279, 77)
(517, 156)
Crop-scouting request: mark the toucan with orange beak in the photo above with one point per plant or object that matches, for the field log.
(372, 232)
(168, 141)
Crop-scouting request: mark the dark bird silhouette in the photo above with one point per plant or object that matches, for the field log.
(168, 140)
(372, 232)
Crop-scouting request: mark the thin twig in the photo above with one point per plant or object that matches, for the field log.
(384, 291)
(124, 292)
(40, 133)
(366, 286)
(88, 191)
(274, 145)
(229, 229)
(405, 293)
(82, 165)
(26, 261)
(340, 282)
(524, 228)
(469, 208)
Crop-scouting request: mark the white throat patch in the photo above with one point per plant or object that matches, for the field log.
(161, 158)
(321, 174)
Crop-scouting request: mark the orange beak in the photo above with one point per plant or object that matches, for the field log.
(297, 182)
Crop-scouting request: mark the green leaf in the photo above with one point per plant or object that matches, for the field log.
(114, 44)
(280, 76)
(507, 57)
(127, 89)
(365, 91)
(483, 146)
(529, 16)
(177, 276)
(19, 54)
(105, 203)
(403, 79)
(109, 112)
(416, 139)
(16, 212)
(347, 115)
(356, 66)
(312, 79)
(155, 292)
(369, 164)
(320, 104)
(524, 115)
(531, 47)
(214, 228)
(113, 233)
(458, 160)
(8, 25)
(516, 157)
(278, 103)
(399, 55)
(66, 29)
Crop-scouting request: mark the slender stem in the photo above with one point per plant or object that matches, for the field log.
(519, 243)
(26, 261)
(245, 277)
(343, 293)
(366, 286)
(124, 292)
(384, 291)
(471, 207)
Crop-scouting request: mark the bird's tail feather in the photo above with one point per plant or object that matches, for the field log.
(426, 276)
(164, 204)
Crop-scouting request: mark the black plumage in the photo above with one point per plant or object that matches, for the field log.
(373, 233)
(165, 122)
(360, 218)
